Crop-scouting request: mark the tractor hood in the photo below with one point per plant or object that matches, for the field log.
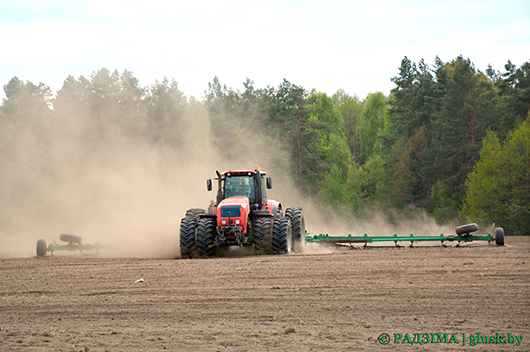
(234, 211)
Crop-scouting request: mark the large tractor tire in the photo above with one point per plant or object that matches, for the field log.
(499, 236)
(263, 235)
(282, 236)
(195, 212)
(289, 212)
(466, 229)
(205, 237)
(70, 238)
(188, 245)
(298, 228)
(41, 248)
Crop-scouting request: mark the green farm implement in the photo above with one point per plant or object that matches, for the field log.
(463, 235)
(73, 244)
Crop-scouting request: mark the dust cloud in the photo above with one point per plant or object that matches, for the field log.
(110, 185)
(70, 175)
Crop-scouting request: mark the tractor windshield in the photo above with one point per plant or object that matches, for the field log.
(240, 186)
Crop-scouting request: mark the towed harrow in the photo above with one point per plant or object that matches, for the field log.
(463, 234)
(73, 244)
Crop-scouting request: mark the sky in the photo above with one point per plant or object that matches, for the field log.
(326, 45)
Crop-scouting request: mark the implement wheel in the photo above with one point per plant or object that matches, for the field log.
(263, 235)
(41, 248)
(499, 236)
(70, 238)
(282, 236)
(466, 229)
(188, 246)
(205, 233)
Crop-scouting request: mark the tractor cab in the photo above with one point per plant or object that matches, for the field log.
(252, 184)
(240, 185)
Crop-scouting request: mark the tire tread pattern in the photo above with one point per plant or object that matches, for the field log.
(280, 231)
(205, 229)
(298, 228)
(187, 237)
(263, 235)
(195, 212)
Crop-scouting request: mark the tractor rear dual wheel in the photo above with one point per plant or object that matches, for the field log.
(296, 215)
(289, 212)
(282, 236)
(188, 246)
(195, 212)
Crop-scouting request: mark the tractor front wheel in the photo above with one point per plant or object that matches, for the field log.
(263, 235)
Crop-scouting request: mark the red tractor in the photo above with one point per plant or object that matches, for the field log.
(242, 216)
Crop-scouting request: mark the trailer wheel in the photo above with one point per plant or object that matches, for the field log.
(499, 236)
(466, 229)
(263, 235)
(282, 236)
(188, 246)
(205, 233)
(298, 227)
(70, 238)
(41, 248)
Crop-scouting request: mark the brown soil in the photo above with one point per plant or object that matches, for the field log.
(338, 301)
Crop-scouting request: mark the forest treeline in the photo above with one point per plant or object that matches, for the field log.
(449, 139)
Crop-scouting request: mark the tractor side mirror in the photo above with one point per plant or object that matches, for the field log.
(269, 183)
(209, 184)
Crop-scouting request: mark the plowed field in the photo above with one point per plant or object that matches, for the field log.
(337, 301)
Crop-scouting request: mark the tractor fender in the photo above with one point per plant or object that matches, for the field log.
(274, 207)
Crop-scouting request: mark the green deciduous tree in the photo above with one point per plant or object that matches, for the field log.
(374, 128)
(351, 109)
(328, 145)
(498, 190)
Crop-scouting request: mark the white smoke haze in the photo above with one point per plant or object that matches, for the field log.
(70, 175)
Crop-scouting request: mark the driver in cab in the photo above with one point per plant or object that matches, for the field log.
(242, 189)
